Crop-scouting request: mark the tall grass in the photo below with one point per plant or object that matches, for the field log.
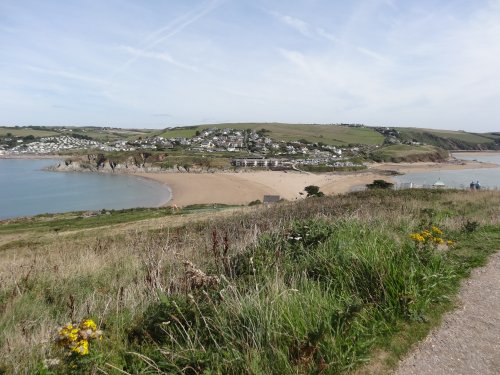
(307, 287)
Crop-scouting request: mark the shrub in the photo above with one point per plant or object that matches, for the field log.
(380, 184)
(313, 191)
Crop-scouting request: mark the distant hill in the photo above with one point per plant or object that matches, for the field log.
(407, 153)
(451, 140)
(343, 135)
(337, 135)
(333, 134)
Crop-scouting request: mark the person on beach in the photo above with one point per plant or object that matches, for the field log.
(478, 186)
(472, 185)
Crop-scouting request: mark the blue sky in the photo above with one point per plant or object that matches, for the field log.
(159, 63)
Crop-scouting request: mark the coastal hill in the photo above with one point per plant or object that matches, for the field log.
(345, 134)
(331, 134)
(312, 147)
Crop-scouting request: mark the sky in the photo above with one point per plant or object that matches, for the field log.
(162, 63)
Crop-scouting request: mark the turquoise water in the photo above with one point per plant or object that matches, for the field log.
(489, 178)
(26, 189)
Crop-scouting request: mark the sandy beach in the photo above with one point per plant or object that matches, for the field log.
(244, 187)
(430, 166)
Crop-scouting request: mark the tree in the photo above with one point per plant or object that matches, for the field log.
(313, 191)
(380, 184)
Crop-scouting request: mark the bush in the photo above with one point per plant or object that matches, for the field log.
(380, 184)
(313, 191)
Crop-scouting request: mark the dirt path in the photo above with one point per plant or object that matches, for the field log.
(468, 340)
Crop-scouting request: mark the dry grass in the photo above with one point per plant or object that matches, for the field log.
(114, 277)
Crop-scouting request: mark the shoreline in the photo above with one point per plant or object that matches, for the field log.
(246, 186)
(243, 187)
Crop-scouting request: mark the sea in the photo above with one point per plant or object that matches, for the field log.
(489, 178)
(27, 189)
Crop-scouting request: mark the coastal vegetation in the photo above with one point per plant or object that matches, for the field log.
(329, 134)
(324, 285)
(407, 153)
(320, 137)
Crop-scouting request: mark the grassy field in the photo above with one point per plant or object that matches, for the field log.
(328, 134)
(23, 132)
(401, 153)
(422, 135)
(99, 134)
(324, 285)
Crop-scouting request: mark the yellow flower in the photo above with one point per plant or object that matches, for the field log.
(437, 230)
(417, 237)
(438, 240)
(450, 243)
(81, 347)
(68, 333)
(75, 338)
(88, 324)
(426, 234)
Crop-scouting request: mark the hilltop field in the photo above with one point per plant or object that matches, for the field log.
(334, 284)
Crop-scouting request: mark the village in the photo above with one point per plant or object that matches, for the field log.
(246, 148)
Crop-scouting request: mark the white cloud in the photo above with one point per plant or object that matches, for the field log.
(295, 23)
(68, 75)
(162, 56)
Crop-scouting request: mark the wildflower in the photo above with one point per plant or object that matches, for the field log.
(437, 230)
(81, 347)
(450, 243)
(88, 324)
(438, 240)
(426, 234)
(417, 237)
(75, 338)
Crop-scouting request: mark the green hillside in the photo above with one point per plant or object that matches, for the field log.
(407, 153)
(329, 134)
(24, 132)
(451, 140)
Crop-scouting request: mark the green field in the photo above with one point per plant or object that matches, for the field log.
(327, 134)
(399, 153)
(99, 134)
(457, 135)
(23, 132)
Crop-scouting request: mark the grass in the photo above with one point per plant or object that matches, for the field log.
(82, 220)
(99, 134)
(23, 132)
(180, 132)
(328, 134)
(399, 153)
(446, 138)
(323, 285)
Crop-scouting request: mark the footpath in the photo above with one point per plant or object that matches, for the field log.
(468, 340)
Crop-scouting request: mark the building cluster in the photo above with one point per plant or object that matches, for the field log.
(59, 144)
(262, 150)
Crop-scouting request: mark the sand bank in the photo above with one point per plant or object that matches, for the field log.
(430, 166)
(244, 187)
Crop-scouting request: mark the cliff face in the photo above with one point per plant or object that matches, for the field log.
(135, 163)
(102, 163)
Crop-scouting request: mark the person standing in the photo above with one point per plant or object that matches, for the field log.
(478, 186)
